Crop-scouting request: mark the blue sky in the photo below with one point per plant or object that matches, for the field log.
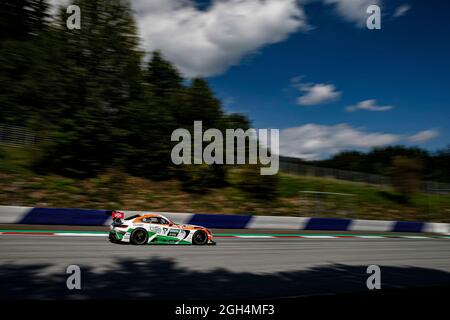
(405, 65)
(312, 69)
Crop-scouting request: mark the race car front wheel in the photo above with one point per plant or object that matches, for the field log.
(200, 238)
(139, 236)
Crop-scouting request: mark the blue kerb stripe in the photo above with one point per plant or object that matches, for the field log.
(220, 221)
(328, 224)
(405, 226)
(53, 216)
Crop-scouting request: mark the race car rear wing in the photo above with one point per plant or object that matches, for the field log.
(117, 216)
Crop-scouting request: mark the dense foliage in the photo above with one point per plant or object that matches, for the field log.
(433, 166)
(95, 98)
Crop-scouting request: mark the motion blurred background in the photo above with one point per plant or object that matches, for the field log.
(86, 118)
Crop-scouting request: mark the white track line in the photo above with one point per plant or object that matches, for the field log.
(319, 237)
(252, 236)
(73, 234)
(81, 234)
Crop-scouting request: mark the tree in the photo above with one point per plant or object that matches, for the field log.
(348, 160)
(406, 175)
(439, 165)
(101, 77)
(376, 161)
(145, 144)
(87, 92)
(23, 26)
(162, 76)
(201, 105)
(235, 121)
(198, 103)
(22, 19)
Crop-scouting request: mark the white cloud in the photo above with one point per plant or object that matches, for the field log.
(370, 105)
(318, 93)
(207, 42)
(424, 136)
(401, 10)
(353, 10)
(313, 141)
(315, 93)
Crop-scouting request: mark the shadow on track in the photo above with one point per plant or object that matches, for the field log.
(162, 279)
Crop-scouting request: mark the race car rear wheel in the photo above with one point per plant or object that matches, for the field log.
(139, 236)
(200, 238)
(113, 238)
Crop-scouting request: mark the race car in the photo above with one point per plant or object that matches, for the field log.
(152, 228)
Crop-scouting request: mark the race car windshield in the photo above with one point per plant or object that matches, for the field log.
(132, 217)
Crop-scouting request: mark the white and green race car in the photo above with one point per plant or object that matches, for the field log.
(151, 228)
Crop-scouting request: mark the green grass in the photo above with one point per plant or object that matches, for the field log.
(15, 160)
(114, 189)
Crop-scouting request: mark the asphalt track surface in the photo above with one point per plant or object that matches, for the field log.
(35, 267)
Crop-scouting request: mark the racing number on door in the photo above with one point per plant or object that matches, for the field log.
(173, 232)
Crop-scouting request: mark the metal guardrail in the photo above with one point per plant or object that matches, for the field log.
(293, 166)
(17, 136)
(290, 166)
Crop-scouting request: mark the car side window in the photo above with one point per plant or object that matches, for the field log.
(163, 221)
(157, 220)
(150, 220)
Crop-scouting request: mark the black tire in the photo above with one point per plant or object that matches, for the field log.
(200, 238)
(112, 238)
(139, 236)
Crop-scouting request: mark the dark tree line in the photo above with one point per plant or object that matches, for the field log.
(90, 93)
(385, 160)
